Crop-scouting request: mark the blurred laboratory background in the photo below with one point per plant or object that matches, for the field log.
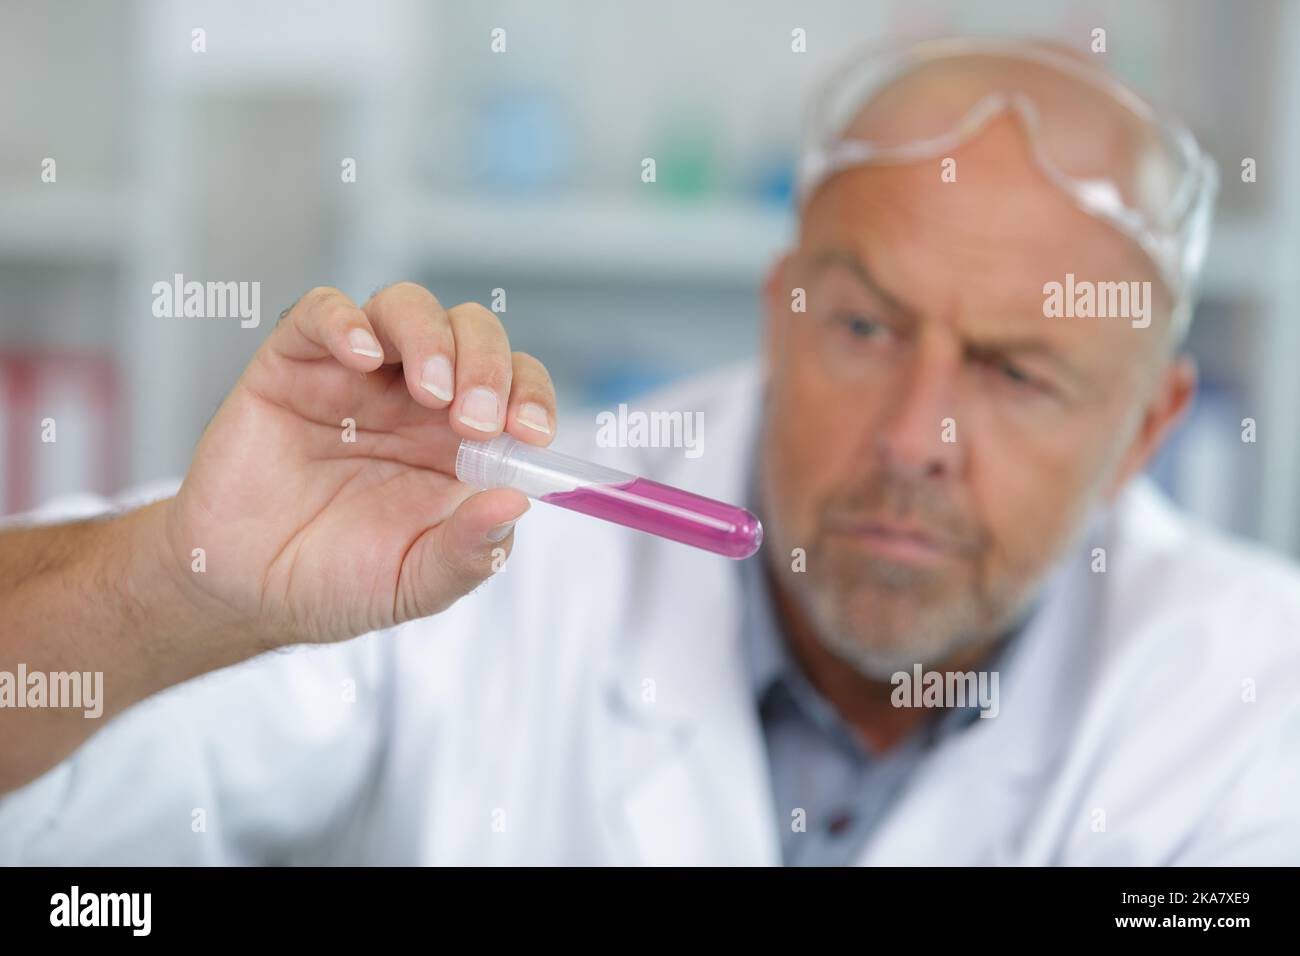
(479, 170)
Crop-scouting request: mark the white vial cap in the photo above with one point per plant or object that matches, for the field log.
(479, 462)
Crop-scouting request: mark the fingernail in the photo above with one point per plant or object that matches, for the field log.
(436, 378)
(500, 531)
(535, 417)
(481, 409)
(363, 343)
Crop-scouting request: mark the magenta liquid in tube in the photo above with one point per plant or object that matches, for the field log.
(557, 479)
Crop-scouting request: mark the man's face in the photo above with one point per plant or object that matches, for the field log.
(931, 439)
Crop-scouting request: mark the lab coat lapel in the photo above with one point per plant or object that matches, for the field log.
(693, 786)
(689, 782)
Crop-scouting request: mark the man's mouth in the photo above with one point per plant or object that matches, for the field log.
(896, 541)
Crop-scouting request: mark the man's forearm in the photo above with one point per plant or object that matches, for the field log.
(89, 598)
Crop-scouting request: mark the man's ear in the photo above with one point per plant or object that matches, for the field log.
(1168, 404)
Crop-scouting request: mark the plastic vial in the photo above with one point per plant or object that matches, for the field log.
(505, 462)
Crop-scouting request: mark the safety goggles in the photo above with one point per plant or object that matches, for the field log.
(1092, 137)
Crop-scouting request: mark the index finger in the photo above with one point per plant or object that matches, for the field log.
(325, 322)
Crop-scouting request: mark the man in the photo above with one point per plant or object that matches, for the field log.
(948, 470)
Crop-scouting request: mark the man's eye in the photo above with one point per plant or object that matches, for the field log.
(1014, 374)
(858, 326)
(1019, 378)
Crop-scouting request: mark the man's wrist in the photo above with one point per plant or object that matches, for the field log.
(185, 631)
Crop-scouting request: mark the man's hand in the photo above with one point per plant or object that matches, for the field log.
(306, 534)
(323, 493)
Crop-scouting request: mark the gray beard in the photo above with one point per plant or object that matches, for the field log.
(881, 663)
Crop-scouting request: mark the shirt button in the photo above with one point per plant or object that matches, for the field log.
(839, 823)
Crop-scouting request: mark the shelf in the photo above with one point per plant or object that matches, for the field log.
(716, 242)
(58, 221)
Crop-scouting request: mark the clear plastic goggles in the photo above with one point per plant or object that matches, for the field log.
(1090, 135)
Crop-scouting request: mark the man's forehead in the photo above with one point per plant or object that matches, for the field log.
(916, 250)
(988, 187)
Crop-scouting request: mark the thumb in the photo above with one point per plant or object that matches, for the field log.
(451, 559)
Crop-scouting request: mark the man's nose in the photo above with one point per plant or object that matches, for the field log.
(919, 435)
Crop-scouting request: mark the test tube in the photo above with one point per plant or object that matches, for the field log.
(557, 479)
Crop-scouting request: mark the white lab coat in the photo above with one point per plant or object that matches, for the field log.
(589, 704)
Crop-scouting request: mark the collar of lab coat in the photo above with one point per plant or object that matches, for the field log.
(692, 784)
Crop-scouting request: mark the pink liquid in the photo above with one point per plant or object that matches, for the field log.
(670, 513)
